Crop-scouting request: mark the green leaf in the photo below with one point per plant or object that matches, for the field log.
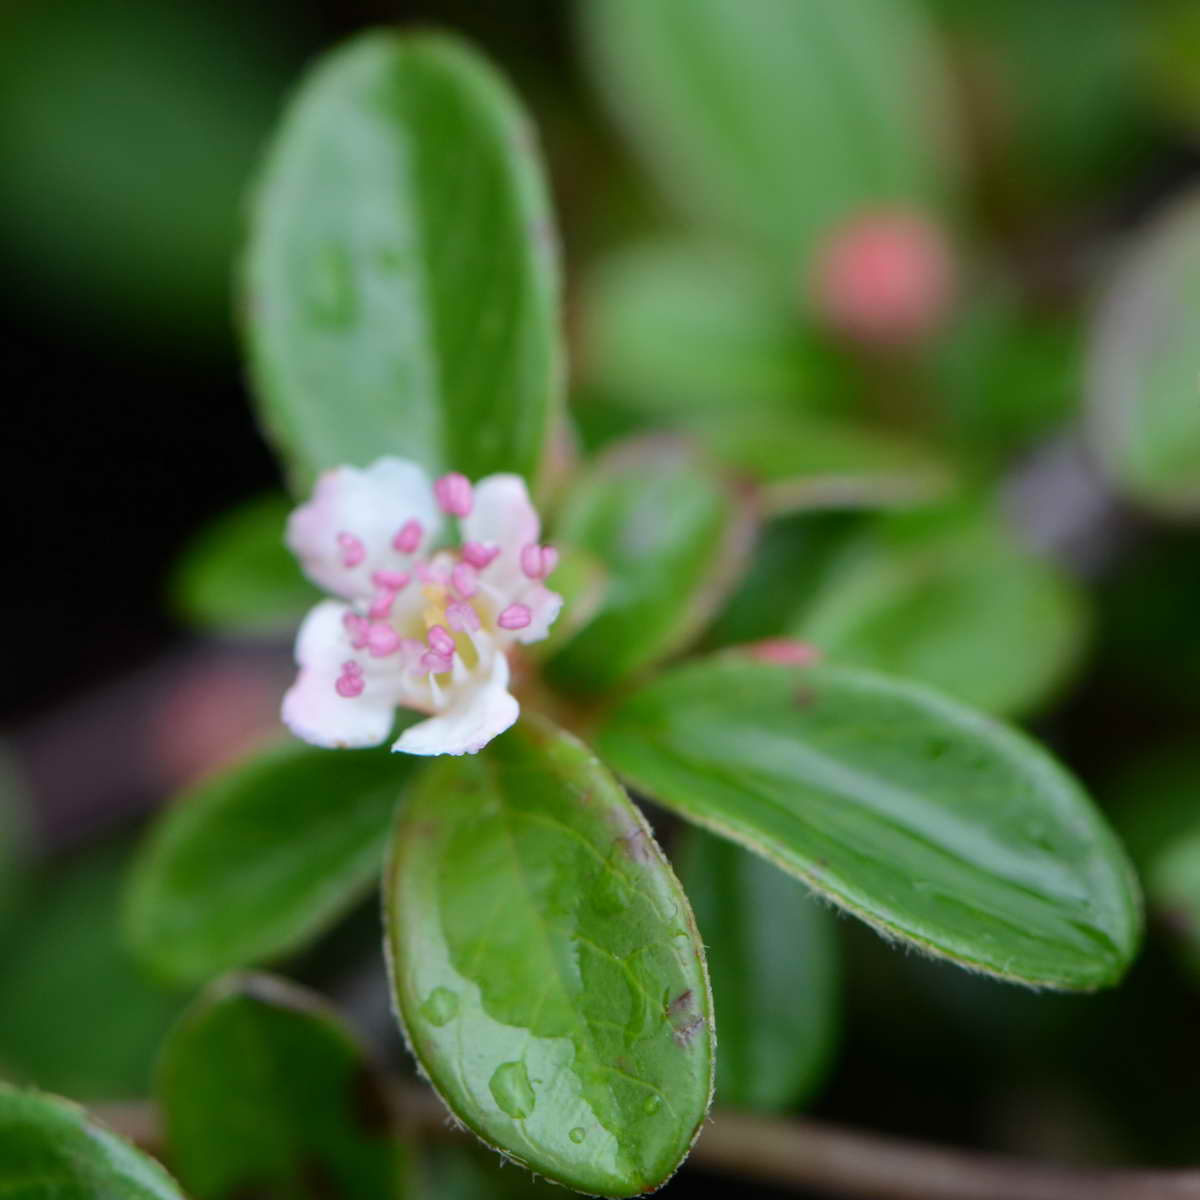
(61, 942)
(50, 1148)
(1004, 375)
(677, 330)
(672, 535)
(266, 1093)
(776, 120)
(929, 821)
(259, 860)
(546, 965)
(1143, 386)
(402, 279)
(952, 600)
(237, 574)
(811, 462)
(772, 954)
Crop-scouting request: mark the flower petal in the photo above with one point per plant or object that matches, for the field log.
(344, 533)
(504, 516)
(479, 712)
(544, 607)
(312, 707)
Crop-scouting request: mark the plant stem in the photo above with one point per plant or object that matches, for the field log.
(811, 1154)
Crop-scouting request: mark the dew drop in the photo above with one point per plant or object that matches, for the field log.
(441, 1005)
(329, 289)
(511, 1089)
(653, 1104)
(577, 1134)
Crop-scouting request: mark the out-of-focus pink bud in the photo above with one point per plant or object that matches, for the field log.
(884, 278)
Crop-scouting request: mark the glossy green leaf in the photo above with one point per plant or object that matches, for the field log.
(264, 1092)
(952, 600)
(546, 965)
(402, 274)
(51, 1148)
(1143, 385)
(672, 534)
(238, 576)
(772, 953)
(257, 861)
(933, 823)
(61, 944)
(775, 119)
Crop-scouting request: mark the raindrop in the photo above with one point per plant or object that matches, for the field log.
(511, 1089)
(441, 1005)
(577, 1134)
(653, 1104)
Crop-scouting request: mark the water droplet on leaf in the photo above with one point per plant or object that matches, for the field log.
(441, 1005)
(577, 1134)
(653, 1104)
(511, 1090)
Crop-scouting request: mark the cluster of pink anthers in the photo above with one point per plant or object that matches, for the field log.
(420, 625)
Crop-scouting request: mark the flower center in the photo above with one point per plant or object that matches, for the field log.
(434, 611)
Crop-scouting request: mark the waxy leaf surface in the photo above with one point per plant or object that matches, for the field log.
(401, 282)
(51, 1148)
(773, 957)
(264, 1092)
(930, 821)
(672, 536)
(546, 965)
(253, 863)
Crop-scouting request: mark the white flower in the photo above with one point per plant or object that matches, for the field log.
(419, 625)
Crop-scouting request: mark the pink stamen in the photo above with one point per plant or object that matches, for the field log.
(461, 617)
(350, 682)
(353, 551)
(440, 642)
(435, 664)
(393, 581)
(479, 555)
(453, 494)
(381, 605)
(382, 640)
(356, 627)
(515, 616)
(409, 537)
(464, 581)
(538, 561)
